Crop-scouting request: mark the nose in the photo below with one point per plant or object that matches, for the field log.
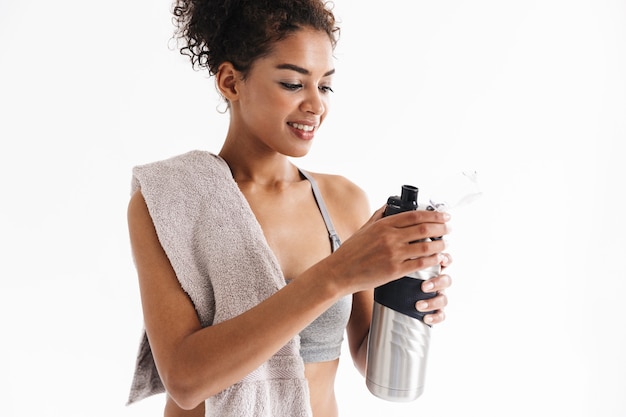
(314, 102)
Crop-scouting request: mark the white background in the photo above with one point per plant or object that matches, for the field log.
(531, 94)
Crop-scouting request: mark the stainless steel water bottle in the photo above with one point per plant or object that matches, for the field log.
(398, 340)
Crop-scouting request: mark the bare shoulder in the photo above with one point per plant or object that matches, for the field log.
(136, 202)
(340, 188)
(347, 203)
(138, 215)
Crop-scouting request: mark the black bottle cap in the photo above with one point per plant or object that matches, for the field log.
(408, 197)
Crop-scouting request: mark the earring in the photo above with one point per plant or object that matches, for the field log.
(223, 106)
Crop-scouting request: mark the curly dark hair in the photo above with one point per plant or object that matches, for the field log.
(240, 31)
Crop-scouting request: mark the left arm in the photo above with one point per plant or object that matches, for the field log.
(350, 208)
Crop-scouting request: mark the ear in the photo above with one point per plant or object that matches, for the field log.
(227, 80)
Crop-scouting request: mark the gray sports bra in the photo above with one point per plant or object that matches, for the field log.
(321, 340)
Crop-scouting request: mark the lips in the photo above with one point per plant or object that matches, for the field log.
(304, 128)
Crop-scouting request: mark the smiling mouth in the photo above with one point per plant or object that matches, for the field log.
(304, 128)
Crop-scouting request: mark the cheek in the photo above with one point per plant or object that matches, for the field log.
(327, 107)
(258, 107)
(271, 103)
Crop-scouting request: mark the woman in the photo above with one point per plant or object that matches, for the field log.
(273, 65)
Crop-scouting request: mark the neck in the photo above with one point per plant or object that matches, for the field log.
(271, 170)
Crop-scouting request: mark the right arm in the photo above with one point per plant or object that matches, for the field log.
(196, 363)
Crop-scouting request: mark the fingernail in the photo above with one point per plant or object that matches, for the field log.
(428, 319)
(428, 286)
(421, 305)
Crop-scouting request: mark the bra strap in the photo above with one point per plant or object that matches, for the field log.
(334, 238)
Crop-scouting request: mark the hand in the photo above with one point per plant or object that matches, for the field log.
(387, 248)
(436, 284)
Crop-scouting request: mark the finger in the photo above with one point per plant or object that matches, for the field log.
(435, 318)
(423, 247)
(423, 231)
(411, 218)
(438, 283)
(446, 260)
(439, 302)
(417, 260)
(378, 214)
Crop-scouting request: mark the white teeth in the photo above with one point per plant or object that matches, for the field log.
(306, 128)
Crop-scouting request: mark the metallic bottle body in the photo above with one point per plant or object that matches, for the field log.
(398, 351)
(398, 340)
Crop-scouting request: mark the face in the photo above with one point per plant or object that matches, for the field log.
(281, 104)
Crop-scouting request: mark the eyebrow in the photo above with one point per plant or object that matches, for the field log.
(301, 70)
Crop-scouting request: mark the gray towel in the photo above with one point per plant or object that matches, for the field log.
(223, 262)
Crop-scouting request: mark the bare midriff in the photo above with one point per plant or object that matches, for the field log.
(321, 380)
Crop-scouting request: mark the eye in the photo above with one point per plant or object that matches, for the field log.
(290, 86)
(326, 89)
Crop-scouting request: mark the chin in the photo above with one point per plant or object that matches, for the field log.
(298, 152)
